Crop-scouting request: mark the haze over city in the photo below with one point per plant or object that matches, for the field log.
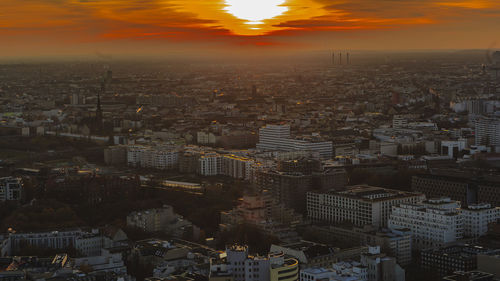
(249, 140)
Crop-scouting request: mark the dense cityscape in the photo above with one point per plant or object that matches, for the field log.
(379, 167)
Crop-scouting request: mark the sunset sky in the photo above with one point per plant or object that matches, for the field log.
(67, 27)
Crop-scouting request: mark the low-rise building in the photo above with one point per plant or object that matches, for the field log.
(470, 276)
(359, 205)
(316, 274)
(447, 260)
(160, 220)
(243, 267)
(397, 243)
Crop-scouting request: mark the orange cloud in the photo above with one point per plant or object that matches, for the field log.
(295, 23)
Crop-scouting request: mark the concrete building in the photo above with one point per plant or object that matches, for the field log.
(278, 137)
(210, 164)
(311, 254)
(287, 188)
(306, 166)
(243, 267)
(360, 205)
(316, 274)
(474, 275)
(453, 148)
(274, 137)
(188, 161)
(162, 158)
(90, 244)
(237, 167)
(206, 138)
(11, 189)
(398, 243)
(487, 131)
(399, 122)
(261, 211)
(160, 220)
(115, 155)
(433, 223)
(464, 188)
(381, 267)
(103, 262)
(447, 260)
(349, 271)
(86, 243)
(477, 217)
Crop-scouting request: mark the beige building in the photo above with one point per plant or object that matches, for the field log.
(359, 205)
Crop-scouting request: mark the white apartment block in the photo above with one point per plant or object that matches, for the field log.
(477, 217)
(10, 189)
(210, 164)
(360, 205)
(433, 223)
(487, 131)
(278, 138)
(153, 157)
(237, 167)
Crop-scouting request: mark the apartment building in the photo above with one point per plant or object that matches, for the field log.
(210, 164)
(163, 158)
(237, 167)
(433, 223)
(477, 217)
(11, 189)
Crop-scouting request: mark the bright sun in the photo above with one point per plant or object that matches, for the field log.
(254, 12)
